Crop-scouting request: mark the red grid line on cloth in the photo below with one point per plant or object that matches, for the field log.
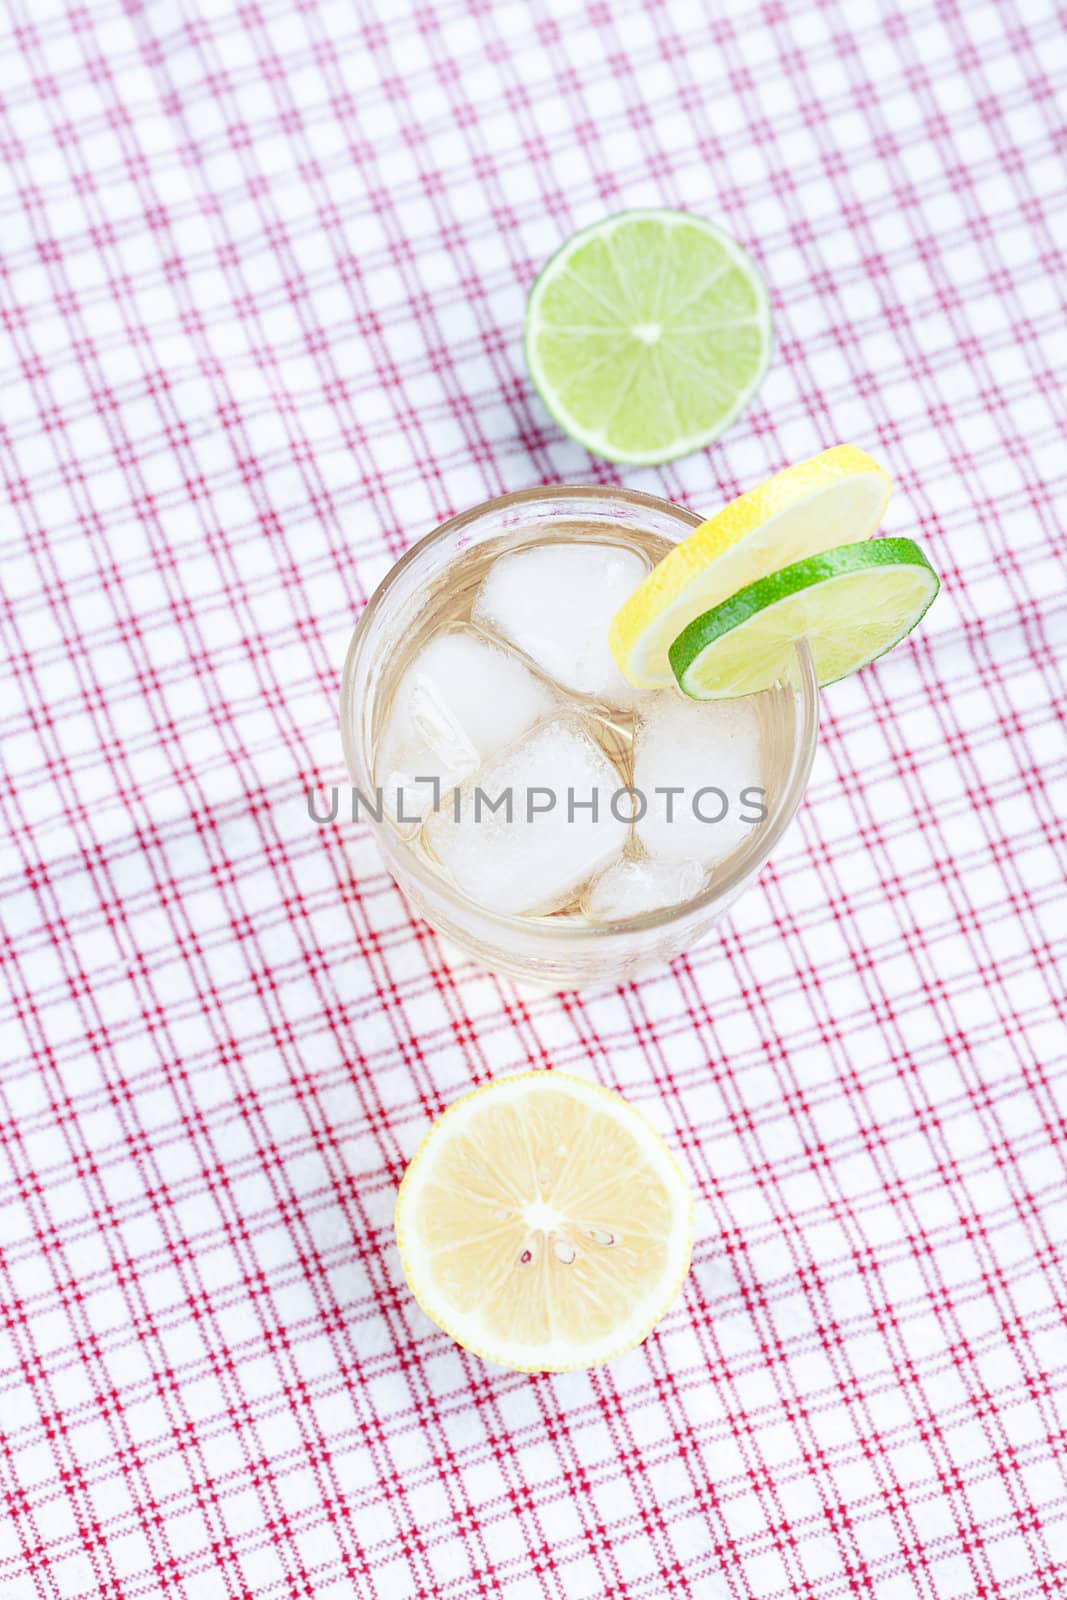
(262, 270)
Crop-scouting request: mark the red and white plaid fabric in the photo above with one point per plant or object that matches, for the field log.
(261, 297)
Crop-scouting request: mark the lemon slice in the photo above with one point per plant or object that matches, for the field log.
(544, 1224)
(851, 605)
(830, 500)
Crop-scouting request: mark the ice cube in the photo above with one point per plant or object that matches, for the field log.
(460, 702)
(630, 888)
(711, 753)
(556, 602)
(539, 860)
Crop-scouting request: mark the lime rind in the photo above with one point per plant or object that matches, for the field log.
(777, 602)
(675, 385)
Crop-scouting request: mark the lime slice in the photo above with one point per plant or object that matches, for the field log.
(544, 1224)
(851, 605)
(646, 334)
(832, 499)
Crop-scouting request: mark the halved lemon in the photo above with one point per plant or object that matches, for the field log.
(829, 500)
(544, 1224)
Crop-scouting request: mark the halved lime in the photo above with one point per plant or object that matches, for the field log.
(646, 334)
(850, 604)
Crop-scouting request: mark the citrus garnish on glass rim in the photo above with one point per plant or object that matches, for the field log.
(835, 497)
(851, 605)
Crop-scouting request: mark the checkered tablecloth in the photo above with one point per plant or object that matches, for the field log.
(262, 275)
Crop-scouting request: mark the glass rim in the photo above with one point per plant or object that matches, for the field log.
(564, 932)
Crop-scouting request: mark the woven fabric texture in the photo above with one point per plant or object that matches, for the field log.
(263, 266)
